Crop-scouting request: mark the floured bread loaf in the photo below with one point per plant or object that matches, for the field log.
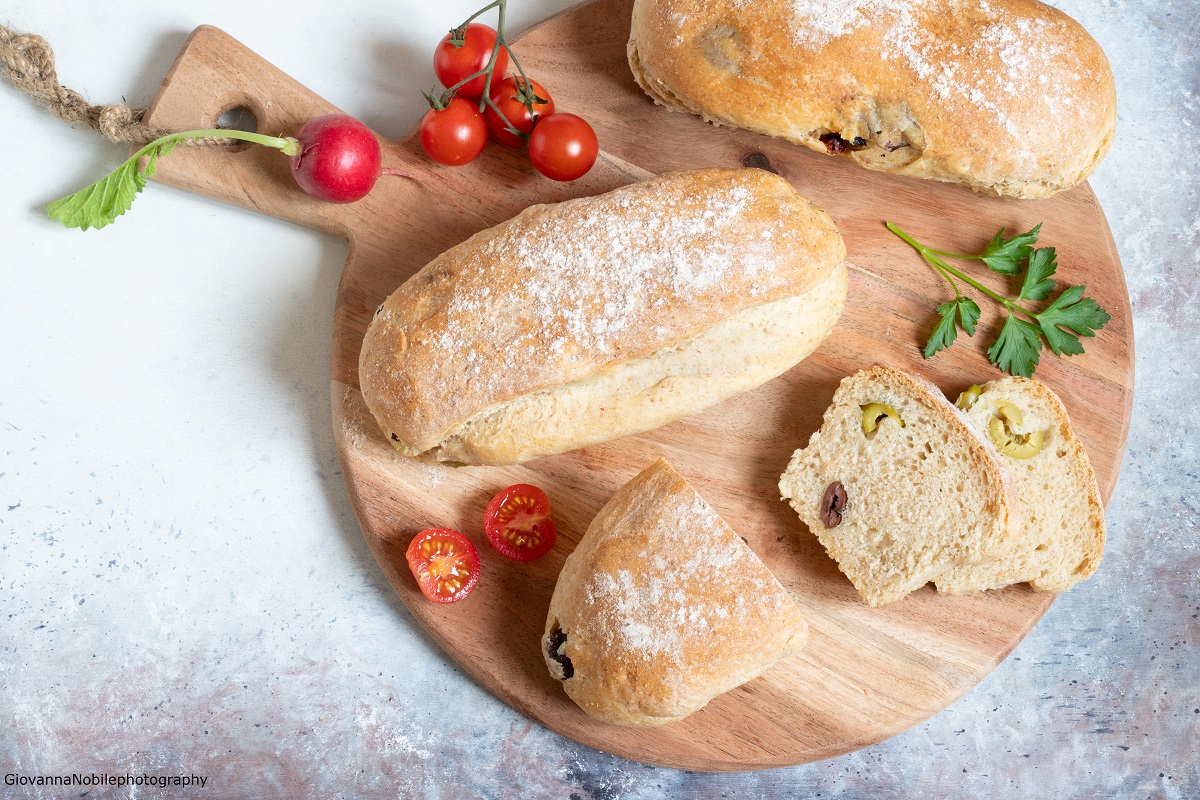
(898, 487)
(1008, 97)
(662, 607)
(579, 322)
(1061, 540)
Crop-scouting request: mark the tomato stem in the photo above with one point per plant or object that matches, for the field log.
(530, 95)
(489, 70)
(501, 8)
(480, 13)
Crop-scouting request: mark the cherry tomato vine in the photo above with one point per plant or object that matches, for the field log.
(471, 61)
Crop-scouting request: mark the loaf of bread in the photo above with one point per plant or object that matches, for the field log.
(576, 323)
(1061, 539)
(662, 607)
(899, 487)
(1008, 97)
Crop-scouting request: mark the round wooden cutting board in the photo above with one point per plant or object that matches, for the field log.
(865, 674)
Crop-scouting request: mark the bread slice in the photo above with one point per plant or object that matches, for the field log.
(923, 493)
(662, 607)
(1061, 540)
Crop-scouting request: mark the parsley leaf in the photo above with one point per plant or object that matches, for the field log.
(1038, 283)
(1005, 255)
(1019, 343)
(1074, 312)
(946, 331)
(968, 314)
(1016, 348)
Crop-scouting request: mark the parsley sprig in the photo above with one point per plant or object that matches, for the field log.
(1017, 347)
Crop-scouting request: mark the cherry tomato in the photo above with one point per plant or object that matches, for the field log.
(456, 134)
(452, 64)
(517, 523)
(445, 564)
(510, 95)
(563, 147)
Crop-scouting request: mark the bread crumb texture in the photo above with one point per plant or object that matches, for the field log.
(924, 492)
(1061, 539)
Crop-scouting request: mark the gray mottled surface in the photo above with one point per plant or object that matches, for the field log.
(183, 587)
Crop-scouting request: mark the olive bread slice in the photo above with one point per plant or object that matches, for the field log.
(899, 487)
(1061, 540)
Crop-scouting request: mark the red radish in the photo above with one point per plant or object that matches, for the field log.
(334, 158)
(339, 159)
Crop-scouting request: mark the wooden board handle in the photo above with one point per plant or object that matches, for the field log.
(215, 73)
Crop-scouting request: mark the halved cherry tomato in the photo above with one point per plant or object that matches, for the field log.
(563, 147)
(453, 64)
(517, 523)
(445, 564)
(510, 96)
(454, 135)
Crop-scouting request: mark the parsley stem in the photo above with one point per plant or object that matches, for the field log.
(931, 256)
(952, 255)
(938, 266)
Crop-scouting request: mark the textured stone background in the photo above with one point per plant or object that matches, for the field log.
(183, 586)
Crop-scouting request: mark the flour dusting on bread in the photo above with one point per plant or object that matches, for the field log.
(615, 262)
(817, 21)
(661, 607)
(540, 311)
(650, 615)
(1010, 97)
(1010, 55)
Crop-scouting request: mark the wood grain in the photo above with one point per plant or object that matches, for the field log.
(866, 673)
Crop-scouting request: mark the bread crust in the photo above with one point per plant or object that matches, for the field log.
(1008, 97)
(563, 293)
(664, 607)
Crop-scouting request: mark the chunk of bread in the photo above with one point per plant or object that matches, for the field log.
(923, 493)
(662, 607)
(1061, 540)
(1007, 97)
(579, 322)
